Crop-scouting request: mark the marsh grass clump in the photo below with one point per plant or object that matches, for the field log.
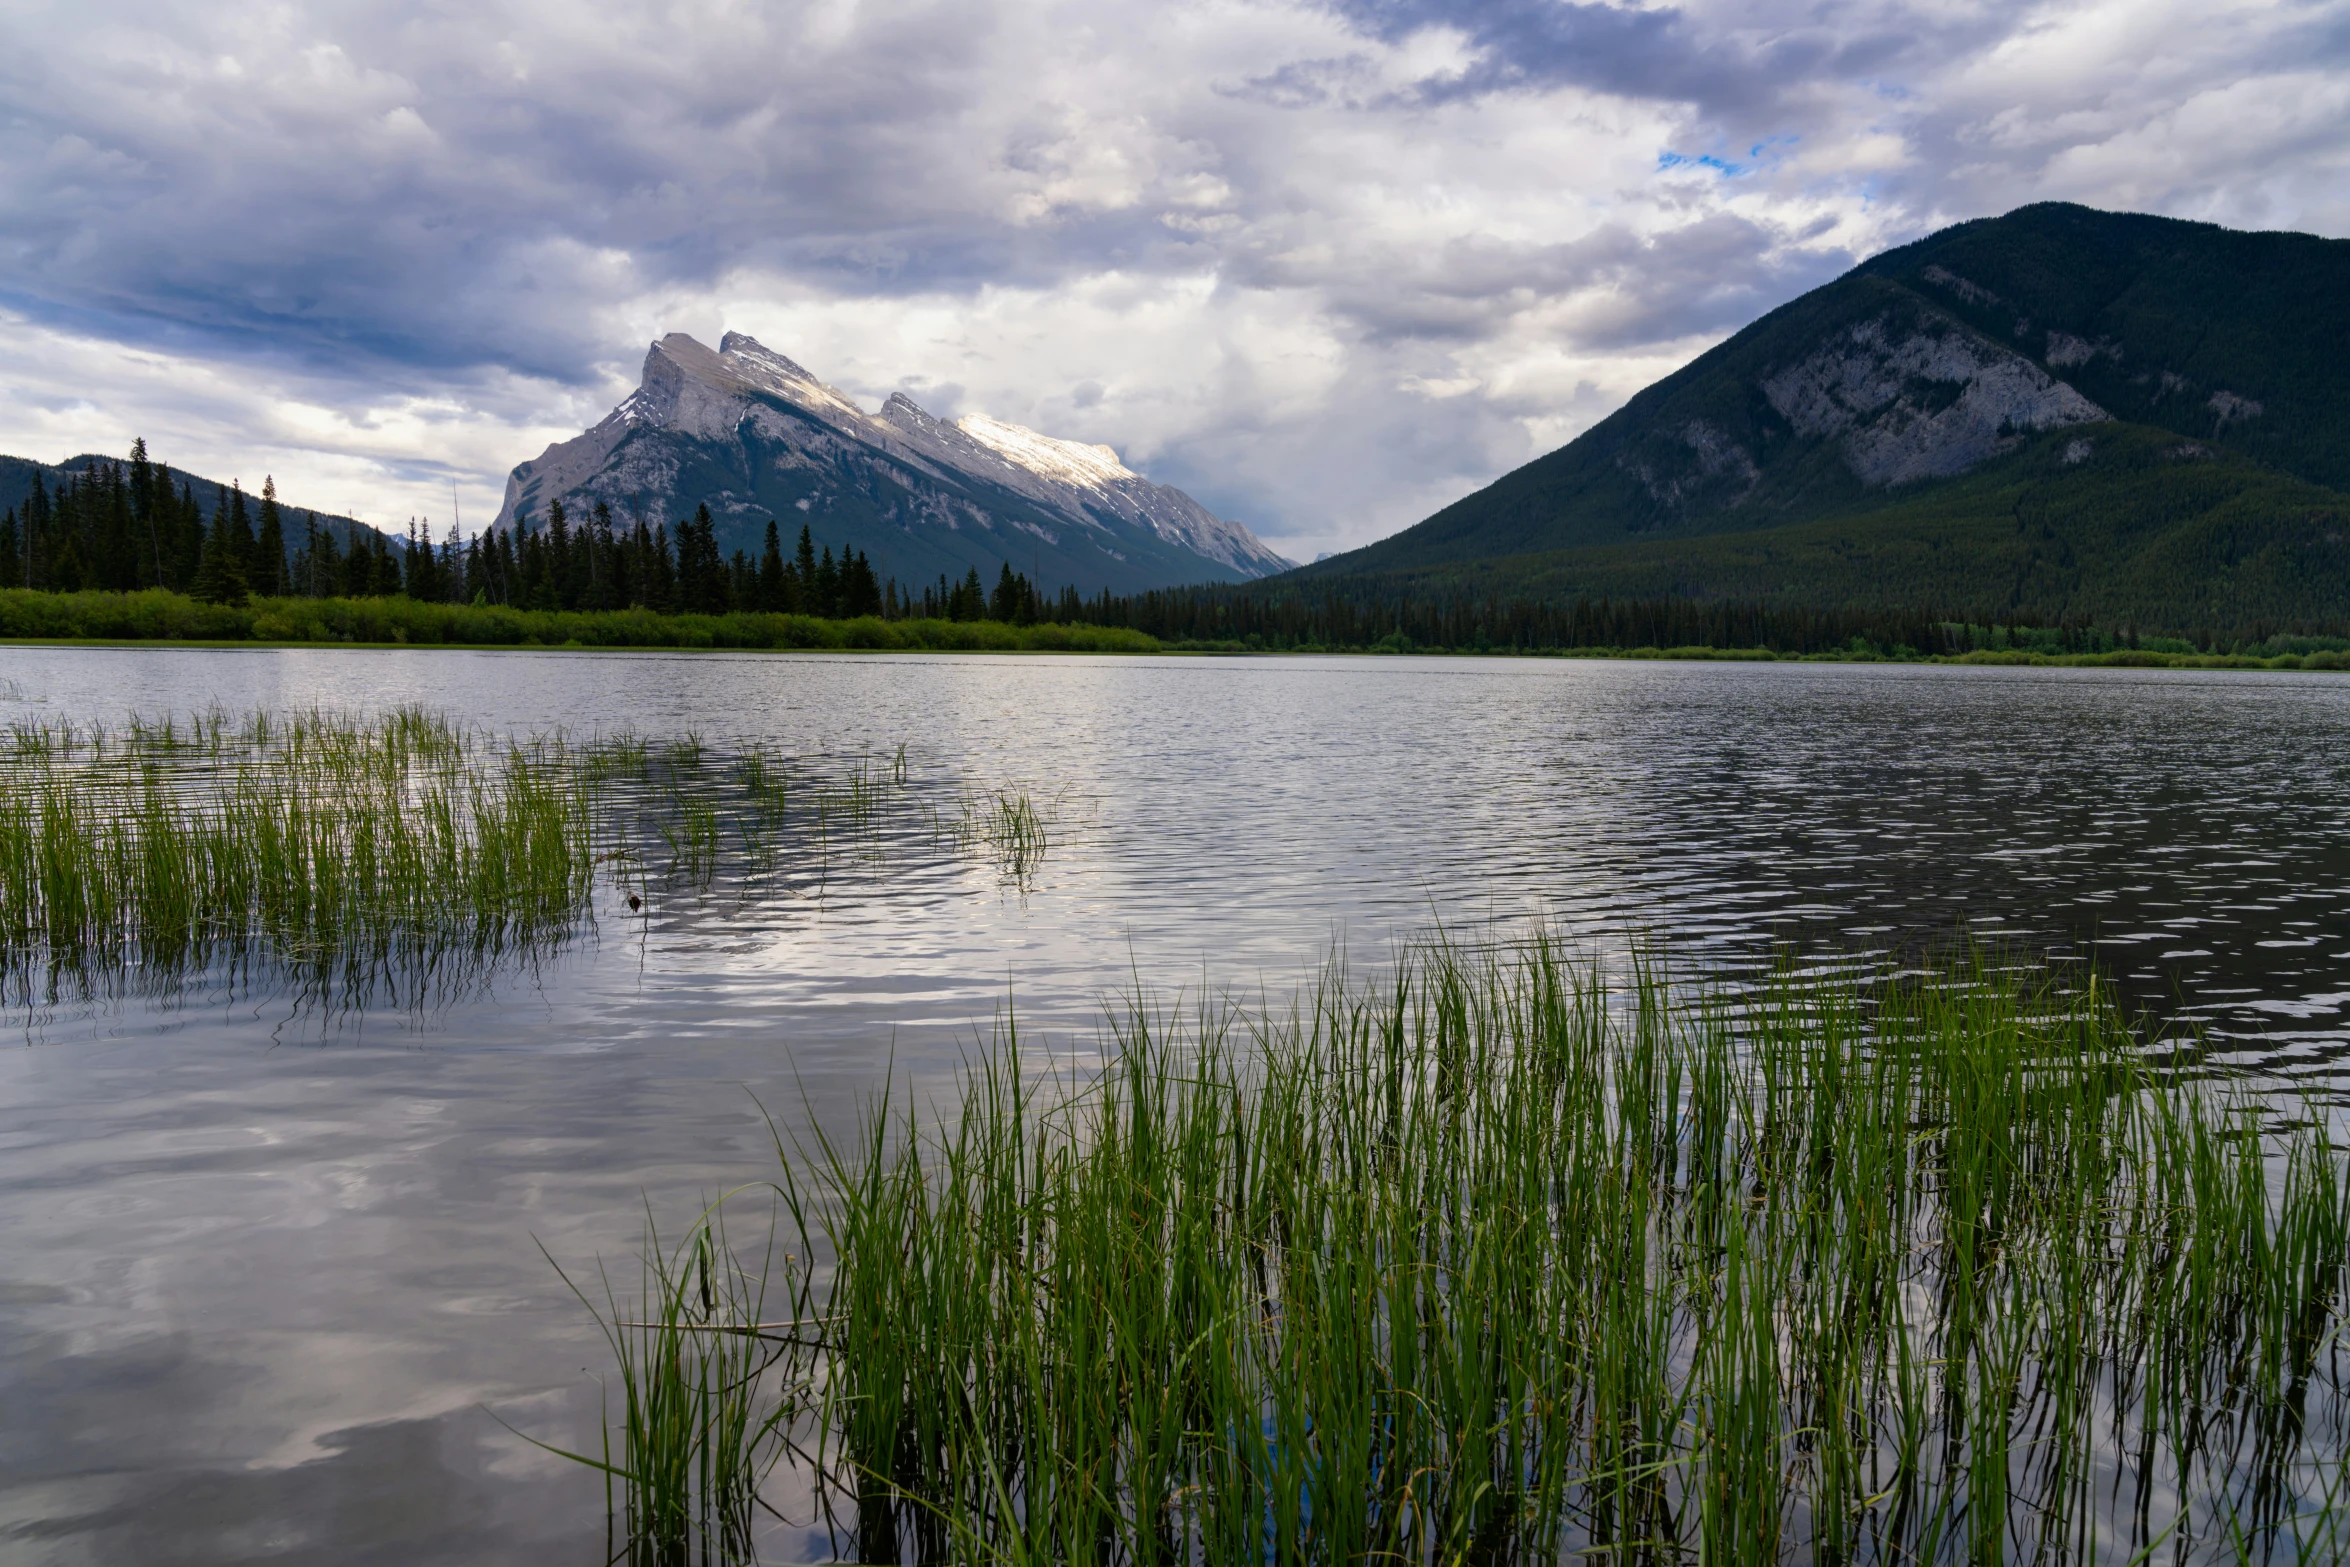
(1484, 1260)
(347, 851)
(400, 856)
(708, 1391)
(1008, 826)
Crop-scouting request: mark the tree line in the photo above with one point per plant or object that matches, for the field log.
(123, 527)
(133, 525)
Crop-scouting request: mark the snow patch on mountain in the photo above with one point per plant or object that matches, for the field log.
(1068, 462)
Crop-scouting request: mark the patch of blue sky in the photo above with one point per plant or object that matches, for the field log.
(1770, 150)
(1704, 160)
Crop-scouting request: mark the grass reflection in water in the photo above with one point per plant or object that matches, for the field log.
(401, 858)
(1478, 1261)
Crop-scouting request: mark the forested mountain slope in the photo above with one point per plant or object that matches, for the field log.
(2053, 410)
(2110, 524)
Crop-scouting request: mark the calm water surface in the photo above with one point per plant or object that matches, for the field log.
(268, 1284)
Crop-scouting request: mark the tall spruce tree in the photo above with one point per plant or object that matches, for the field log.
(702, 586)
(117, 549)
(773, 589)
(36, 528)
(555, 585)
(268, 570)
(825, 590)
(598, 592)
(220, 575)
(860, 592)
(240, 527)
(387, 582)
(66, 560)
(150, 502)
(804, 562)
(187, 528)
(358, 568)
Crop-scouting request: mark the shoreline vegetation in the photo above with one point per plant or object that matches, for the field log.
(1488, 1257)
(163, 617)
(123, 551)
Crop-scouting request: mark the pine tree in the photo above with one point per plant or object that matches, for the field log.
(11, 551)
(598, 592)
(967, 600)
(825, 591)
(67, 558)
(860, 591)
(187, 527)
(416, 562)
(220, 575)
(36, 528)
(358, 568)
(664, 568)
(268, 572)
(117, 548)
(387, 568)
(150, 503)
(702, 586)
(774, 595)
(240, 529)
(556, 577)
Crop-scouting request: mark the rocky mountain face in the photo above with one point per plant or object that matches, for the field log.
(756, 437)
(1945, 359)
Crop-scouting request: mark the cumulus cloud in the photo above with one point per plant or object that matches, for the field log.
(1326, 263)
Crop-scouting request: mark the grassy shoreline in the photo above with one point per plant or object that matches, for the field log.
(155, 618)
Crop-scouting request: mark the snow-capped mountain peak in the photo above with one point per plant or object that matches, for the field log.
(756, 436)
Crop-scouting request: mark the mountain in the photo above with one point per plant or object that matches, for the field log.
(756, 437)
(2059, 411)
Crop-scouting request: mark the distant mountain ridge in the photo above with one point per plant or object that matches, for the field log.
(754, 436)
(2168, 403)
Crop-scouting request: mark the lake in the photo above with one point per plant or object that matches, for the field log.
(270, 1280)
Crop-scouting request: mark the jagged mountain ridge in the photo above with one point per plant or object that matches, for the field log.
(1942, 360)
(755, 436)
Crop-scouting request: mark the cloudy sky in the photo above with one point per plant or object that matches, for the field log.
(1327, 264)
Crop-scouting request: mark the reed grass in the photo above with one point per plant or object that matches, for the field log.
(1007, 824)
(1483, 1260)
(402, 856)
(708, 1394)
(343, 849)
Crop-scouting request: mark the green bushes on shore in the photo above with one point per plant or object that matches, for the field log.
(158, 615)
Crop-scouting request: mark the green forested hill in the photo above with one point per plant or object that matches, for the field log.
(1899, 437)
(2141, 529)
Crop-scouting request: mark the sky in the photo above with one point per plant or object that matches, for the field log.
(1326, 264)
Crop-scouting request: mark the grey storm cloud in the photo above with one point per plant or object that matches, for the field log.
(1325, 262)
